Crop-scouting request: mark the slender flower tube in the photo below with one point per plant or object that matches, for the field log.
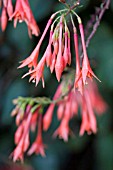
(31, 61)
(69, 50)
(4, 19)
(49, 50)
(24, 141)
(79, 84)
(49, 113)
(66, 50)
(37, 73)
(38, 146)
(60, 110)
(59, 66)
(86, 69)
(23, 13)
(63, 130)
(9, 8)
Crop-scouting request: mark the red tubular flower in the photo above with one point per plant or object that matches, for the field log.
(23, 143)
(66, 50)
(91, 114)
(74, 103)
(56, 46)
(37, 73)
(88, 118)
(69, 50)
(59, 65)
(38, 146)
(17, 154)
(34, 119)
(60, 110)
(97, 101)
(19, 116)
(86, 69)
(55, 52)
(9, 8)
(4, 19)
(23, 13)
(31, 61)
(77, 84)
(49, 51)
(48, 117)
(32, 25)
(49, 113)
(18, 133)
(63, 130)
(85, 125)
(53, 62)
(18, 14)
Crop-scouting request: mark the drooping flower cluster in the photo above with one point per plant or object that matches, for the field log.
(29, 116)
(21, 12)
(58, 54)
(26, 120)
(89, 102)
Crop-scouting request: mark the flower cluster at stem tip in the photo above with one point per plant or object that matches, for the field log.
(58, 52)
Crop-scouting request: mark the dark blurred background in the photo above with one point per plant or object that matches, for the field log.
(94, 152)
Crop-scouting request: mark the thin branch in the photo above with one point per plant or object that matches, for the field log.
(104, 7)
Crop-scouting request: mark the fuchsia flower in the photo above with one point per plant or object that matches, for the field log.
(31, 61)
(37, 73)
(88, 117)
(7, 11)
(86, 69)
(77, 84)
(49, 50)
(96, 98)
(68, 108)
(9, 8)
(66, 54)
(4, 19)
(63, 130)
(59, 65)
(38, 146)
(56, 55)
(49, 113)
(23, 13)
(69, 50)
(22, 141)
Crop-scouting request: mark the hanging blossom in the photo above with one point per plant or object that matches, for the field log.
(7, 11)
(57, 55)
(68, 100)
(27, 120)
(90, 102)
(22, 12)
(86, 71)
